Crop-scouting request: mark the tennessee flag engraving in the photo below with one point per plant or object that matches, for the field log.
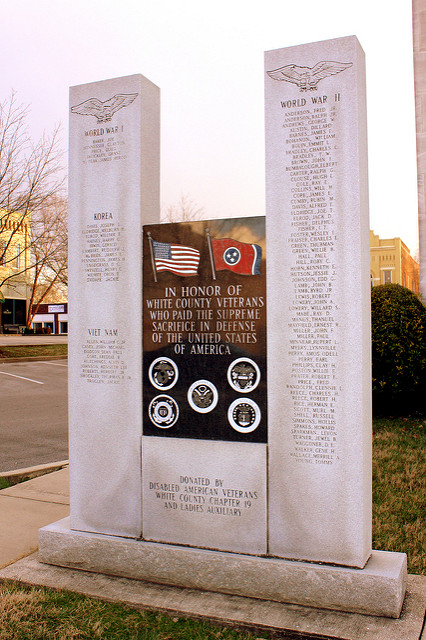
(239, 257)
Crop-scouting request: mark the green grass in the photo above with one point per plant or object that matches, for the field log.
(37, 613)
(5, 483)
(399, 488)
(33, 351)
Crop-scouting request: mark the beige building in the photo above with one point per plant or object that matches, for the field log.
(392, 262)
(14, 262)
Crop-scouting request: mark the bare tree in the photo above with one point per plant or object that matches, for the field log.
(185, 210)
(49, 255)
(31, 210)
(31, 174)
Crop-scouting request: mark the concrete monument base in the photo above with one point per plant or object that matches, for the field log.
(378, 589)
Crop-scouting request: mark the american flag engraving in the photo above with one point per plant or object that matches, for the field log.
(176, 258)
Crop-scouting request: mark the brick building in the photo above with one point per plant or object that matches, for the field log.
(392, 262)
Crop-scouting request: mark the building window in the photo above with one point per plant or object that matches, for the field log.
(387, 276)
(18, 257)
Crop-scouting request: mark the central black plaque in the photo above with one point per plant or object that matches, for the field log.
(204, 318)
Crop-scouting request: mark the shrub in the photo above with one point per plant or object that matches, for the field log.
(398, 350)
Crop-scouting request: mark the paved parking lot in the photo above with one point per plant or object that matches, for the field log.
(33, 413)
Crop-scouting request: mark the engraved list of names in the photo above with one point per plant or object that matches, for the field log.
(311, 164)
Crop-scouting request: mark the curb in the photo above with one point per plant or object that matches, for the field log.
(19, 475)
(32, 359)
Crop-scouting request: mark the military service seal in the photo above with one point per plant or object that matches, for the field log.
(244, 415)
(163, 411)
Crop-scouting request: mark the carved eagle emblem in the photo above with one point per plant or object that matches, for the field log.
(307, 78)
(103, 111)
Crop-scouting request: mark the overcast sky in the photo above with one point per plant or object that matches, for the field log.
(207, 58)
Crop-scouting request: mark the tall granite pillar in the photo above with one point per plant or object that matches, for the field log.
(319, 339)
(113, 190)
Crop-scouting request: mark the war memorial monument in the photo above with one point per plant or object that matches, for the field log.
(220, 373)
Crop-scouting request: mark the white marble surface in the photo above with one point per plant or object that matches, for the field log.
(319, 368)
(378, 589)
(113, 190)
(205, 493)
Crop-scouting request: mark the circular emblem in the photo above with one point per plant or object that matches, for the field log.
(203, 396)
(243, 375)
(232, 256)
(163, 373)
(163, 411)
(244, 415)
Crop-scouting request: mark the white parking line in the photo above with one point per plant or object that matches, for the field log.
(21, 377)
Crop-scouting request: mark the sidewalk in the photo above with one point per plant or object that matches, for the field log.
(26, 507)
